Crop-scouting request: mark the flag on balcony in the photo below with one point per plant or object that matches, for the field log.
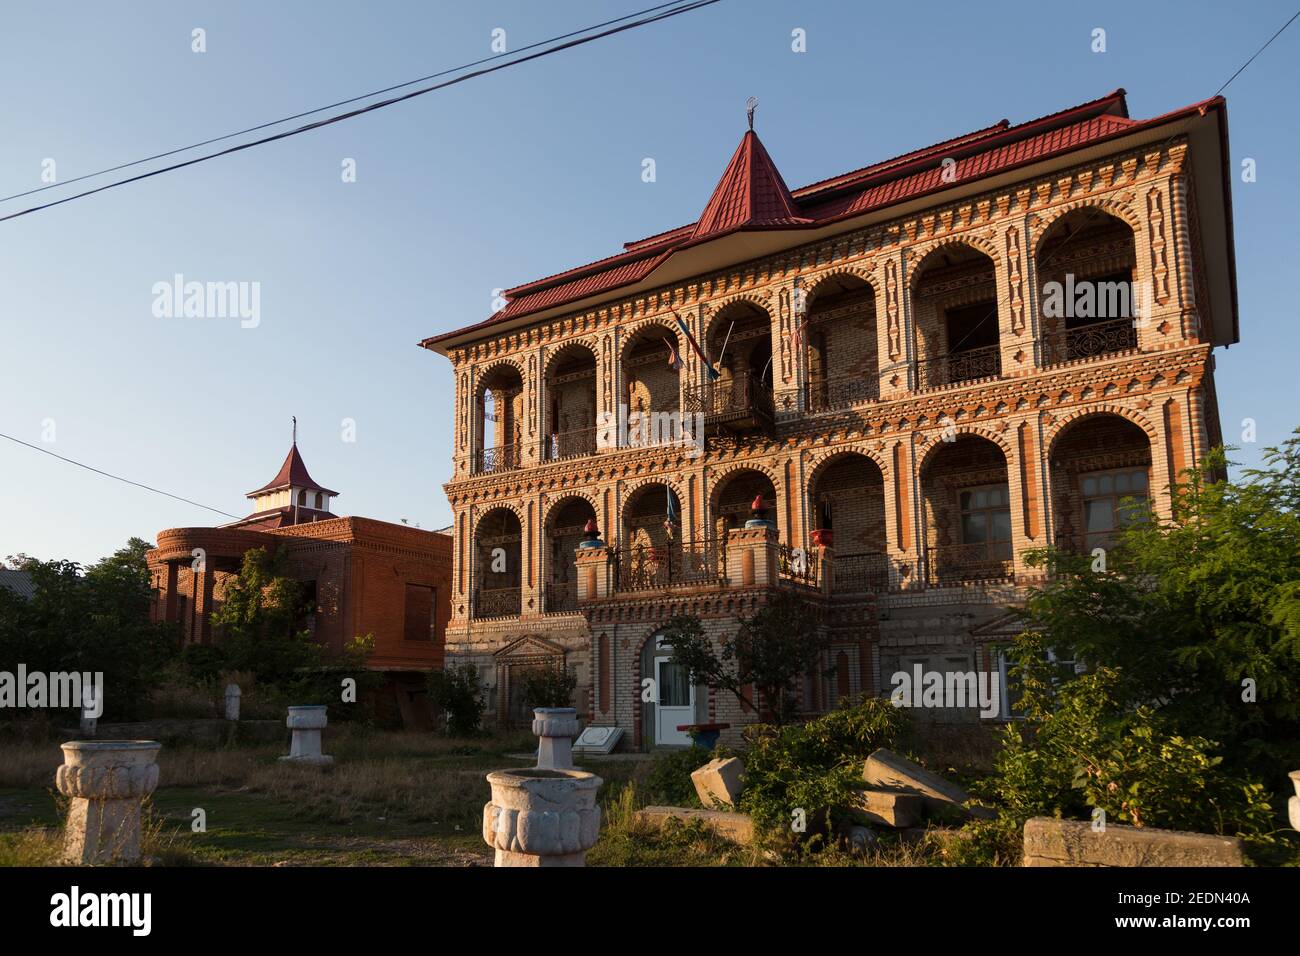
(674, 359)
(709, 370)
(670, 521)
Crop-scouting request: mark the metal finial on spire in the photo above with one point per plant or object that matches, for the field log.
(295, 429)
(750, 105)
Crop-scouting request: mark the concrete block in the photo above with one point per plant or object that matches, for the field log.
(891, 808)
(736, 827)
(886, 770)
(719, 782)
(1051, 842)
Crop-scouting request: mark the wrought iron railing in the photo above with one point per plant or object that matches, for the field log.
(798, 565)
(501, 458)
(696, 563)
(957, 367)
(826, 394)
(496, 602)
(969, 563)
(575, 443)
(861, 573)
(1089, 341)
(561, 596)
(736, 398)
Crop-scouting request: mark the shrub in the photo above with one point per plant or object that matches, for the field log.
(1081, 748)
(815, 767)
(458, 693)
(549, 687)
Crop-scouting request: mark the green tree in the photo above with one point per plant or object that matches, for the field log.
(458, 693)
(771, 651)
(262, 620)
(95, 620)
(1198, 616)
(549, 686)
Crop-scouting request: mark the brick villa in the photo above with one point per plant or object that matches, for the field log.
(362, 576)
(883, 361)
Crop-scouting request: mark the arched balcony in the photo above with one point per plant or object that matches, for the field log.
(570, 430)
(838, 340)
(739, 345)
(654, 552)
(967, 503)
(1088, 298)
(1100, 480)
(498, 421)
(955, 309)
(564, 532)
(651, 394)
(847, 501)
(498, 552)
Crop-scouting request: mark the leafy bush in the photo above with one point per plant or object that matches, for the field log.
(816, 767)
(549, 687)
(1081, 748)
(458, 693)
(669, 780)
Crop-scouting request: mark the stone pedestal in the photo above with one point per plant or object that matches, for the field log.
(306, 724)
(542, 817)
(106, 782)
(232, 701)
(555, 728)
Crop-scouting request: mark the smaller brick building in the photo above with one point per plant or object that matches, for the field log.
(363, 576)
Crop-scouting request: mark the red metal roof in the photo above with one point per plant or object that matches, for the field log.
(753, 195)
(292, 473)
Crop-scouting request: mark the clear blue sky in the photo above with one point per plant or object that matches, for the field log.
(488, 184)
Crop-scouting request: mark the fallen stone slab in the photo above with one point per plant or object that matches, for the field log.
(886, 770)
(719, 782)
(736, 827)
(1051, 842)
(891, 808)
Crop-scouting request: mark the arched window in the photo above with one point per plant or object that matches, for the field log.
(320, 501)
(302, 499)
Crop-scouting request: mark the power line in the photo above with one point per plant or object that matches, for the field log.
(663, 15)
(330, 106)
(106, 474)
(1258, 52)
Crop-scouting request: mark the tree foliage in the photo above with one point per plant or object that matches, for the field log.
(771, 652)
(94, 620)
(458, 692)
(1198, 617)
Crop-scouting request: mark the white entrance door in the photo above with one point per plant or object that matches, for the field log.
(676, 703)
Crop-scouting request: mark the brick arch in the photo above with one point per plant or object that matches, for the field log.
(511, 363)
(979, 431)
(813, 283)
(1060, 428)
(514, 509)
(720, 476)
(629, 334)
(977, 243)
(716, 310)
(568, 347)
(635, 484)
(573, 495)
(1118, 210)
(823, 460)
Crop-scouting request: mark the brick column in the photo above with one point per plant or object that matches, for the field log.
(593, 573)
(751, 557)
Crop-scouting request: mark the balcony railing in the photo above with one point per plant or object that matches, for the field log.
(496, 602)
(575, 443)
(677, 564)
(1089, 341)
(969, 563)
(742, 402)
(501, 458)
(957, 367)
(561, 597)
(861, 573)
(827, 394)
(800, 566)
